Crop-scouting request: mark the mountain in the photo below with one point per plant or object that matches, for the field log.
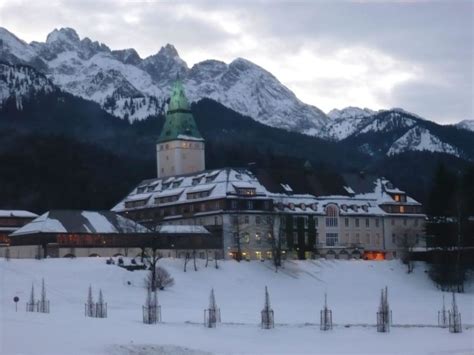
(130, 87)
(420, 139)
(466, 124)
(391, 132)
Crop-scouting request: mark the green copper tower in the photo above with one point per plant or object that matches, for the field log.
(180, 146)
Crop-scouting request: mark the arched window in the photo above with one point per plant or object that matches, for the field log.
(332, 216)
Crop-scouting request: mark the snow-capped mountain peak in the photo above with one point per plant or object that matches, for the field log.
(350, 112)
(466, 124)
(66, 35)
(13, 49)
(421, 139)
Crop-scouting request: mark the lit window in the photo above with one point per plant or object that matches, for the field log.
(402, 209)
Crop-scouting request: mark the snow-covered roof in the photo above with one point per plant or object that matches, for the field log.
(365, 198)
(17, 213)
(76, 221)
(220, 183)
(182, 229)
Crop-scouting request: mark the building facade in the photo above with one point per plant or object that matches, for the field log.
(258, 213)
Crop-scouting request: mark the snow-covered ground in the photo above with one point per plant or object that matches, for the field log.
(296, 293)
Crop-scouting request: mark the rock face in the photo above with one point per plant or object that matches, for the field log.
(134, 88)
(420, 139)
(113, 78)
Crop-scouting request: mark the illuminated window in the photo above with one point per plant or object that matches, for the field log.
(402, 209)
(397, 198)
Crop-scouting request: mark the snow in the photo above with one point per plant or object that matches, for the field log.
(41, 224)
(17, 213)
(466, 124)
(421, 139)
(296, 293)
(185, 229)
(91, 221)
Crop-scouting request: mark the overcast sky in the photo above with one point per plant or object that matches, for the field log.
(417, 55)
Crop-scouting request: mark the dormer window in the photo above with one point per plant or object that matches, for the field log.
(176, 183)
(303, 206)
(291, 206)
(314, 206)
(165, 186)
(141, 189)
(151, 188)
(344, 208)
(246, 191)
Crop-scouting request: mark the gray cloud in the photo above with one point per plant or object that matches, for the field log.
(412, 54)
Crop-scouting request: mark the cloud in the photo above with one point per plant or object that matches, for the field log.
(412, 54)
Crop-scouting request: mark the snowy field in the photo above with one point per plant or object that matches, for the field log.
(296, 293)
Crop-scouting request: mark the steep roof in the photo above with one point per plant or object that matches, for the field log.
(180, 123)
(76, 221)
(17, 213)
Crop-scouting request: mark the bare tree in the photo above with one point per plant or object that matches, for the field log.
(151, 261)
(406, 241)
(455, 325)
(443, 316)
(159, 279)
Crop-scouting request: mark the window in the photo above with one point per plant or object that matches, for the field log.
(246, 219)
(258, 220)
(269, 220)
(141, 190)
(394, 238)
(258, 238)
(367, 238)
(331, 239)
(346, 222)
(396, 198)
(236, 238)
(377, 222)
(367, 223)
(246, 191)
(357, 222)
(250, 205)
(357, 238)
(235, 220)
(402, 209)
(246, 238)
(331, 216)
(233, 204)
